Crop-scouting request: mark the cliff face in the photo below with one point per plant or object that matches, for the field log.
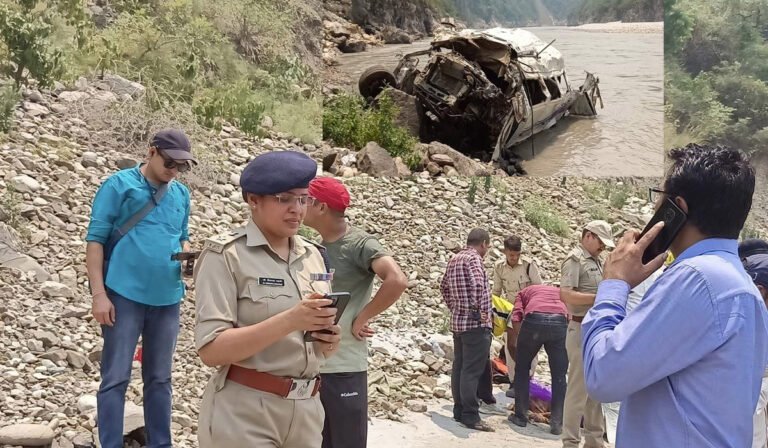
(411, 16)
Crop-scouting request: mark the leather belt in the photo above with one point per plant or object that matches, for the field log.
(289, 388)
(577, 318)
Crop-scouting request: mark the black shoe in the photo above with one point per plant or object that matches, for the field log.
(555, 428)
(519, 421)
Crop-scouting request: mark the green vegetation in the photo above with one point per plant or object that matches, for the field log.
(472, 191)
(615, 193)
(716, 83)
(347, 122)
(9, 97)
(227, 61)
(10, 212)
(543, 215)
(613, 10)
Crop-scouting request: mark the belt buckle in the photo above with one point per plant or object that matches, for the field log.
(301, 389)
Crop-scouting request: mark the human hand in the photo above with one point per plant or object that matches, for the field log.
(361, 329)
(103, 310)
(328, 342)
(626, 261)
(309, 314)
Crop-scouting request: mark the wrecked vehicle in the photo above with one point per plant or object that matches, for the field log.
(485, 91)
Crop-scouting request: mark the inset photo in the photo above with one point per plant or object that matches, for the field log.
(540, 88)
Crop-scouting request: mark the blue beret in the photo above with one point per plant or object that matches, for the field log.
(278, 171)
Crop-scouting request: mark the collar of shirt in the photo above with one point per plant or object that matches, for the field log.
(255, 237)
(708, 245)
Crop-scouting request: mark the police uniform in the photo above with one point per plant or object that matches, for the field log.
(582, 272)
(269, 399)
(511, 280)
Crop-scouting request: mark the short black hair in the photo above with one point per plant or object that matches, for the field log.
(513, 243)
(717, 183)
(478, 236)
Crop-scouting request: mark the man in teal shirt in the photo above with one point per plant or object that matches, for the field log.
(142, 288)
(357, 258)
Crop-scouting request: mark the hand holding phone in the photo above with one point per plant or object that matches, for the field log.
(339, 301)
(674, 219)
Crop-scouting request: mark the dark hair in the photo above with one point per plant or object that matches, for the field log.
(513, 243)
(477, 237)
(717, 183)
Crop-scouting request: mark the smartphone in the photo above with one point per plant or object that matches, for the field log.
(674, 218)
(340, 302)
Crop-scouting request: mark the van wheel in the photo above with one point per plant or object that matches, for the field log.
(374, 80)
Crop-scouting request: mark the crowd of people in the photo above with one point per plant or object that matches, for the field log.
(668, 339)
(680, 341)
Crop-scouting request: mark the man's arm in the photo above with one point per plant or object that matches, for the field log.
(394, 283)
(671, 329)
(496, 281)
(571, 297)
(185, 246)
(476, 275)
(514, 324)
(534, 274)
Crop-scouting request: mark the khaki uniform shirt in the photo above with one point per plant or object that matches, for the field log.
(241, 281)
(513, 279)
(583, 273)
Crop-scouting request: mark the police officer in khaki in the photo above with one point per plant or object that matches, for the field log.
(581, 272)
(258, 291)
(512, 274)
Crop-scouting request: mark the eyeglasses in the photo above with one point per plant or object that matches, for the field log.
(654, 194)
(288, 199)
(170, 164)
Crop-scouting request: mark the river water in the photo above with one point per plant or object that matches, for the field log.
(625, 139)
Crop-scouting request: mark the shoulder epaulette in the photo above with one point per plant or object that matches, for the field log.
(219, 242)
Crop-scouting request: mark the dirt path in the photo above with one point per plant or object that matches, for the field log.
(436, 428)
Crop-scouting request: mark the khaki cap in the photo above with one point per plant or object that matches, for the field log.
(603, 231)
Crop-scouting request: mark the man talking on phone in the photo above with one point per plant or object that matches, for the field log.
(687, 363)
(357, 258)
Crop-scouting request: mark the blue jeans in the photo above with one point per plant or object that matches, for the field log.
(158, 327)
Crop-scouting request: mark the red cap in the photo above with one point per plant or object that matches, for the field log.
(330, 191)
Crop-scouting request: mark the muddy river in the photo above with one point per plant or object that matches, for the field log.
(625, 139)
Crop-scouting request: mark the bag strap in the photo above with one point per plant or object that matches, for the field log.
(141, 214)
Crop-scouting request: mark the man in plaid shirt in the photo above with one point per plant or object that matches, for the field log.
(467, 295)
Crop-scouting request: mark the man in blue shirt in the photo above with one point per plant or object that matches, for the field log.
(142, 289)
(687, 363)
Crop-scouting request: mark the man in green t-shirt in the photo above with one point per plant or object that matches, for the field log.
(357, 258)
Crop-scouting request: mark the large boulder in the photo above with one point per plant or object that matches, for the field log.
(376, 161)
(408, 113)
(463, 164)
(121, 86)
(11, 256)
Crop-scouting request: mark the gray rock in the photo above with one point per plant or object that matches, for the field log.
(26, 435)
(55, 289)
(34, 109)
(267, 123)
(86, 403)
(47, 338)
(134, 418)
(376, 161)
(463, 164)
(90, 159)
(125, 163)
(121, 86)
(25, 184)
(72, 97)
(76, 360)
(408, 111)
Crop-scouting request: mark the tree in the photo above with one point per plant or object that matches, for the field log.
(25, 29)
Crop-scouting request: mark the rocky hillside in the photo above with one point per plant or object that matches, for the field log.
(53, 161)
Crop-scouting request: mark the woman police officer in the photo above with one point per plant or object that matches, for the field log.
(251, 318)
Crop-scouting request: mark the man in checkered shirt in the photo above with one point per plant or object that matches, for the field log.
(467, 295)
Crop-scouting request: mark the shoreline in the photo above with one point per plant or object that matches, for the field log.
(622, 27)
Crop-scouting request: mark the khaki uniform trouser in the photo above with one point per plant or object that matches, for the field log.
(511, 363)
(577, 402)
(238, 416)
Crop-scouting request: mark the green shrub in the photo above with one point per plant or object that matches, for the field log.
(236, 104)
(9, 98)
(347, 122)
(542, 215)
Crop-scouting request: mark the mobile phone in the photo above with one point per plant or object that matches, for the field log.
(674, 218)
(340, 302)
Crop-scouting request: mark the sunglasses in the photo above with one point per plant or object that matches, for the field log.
(170, 164)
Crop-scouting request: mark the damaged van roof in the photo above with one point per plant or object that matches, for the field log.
(504, 45)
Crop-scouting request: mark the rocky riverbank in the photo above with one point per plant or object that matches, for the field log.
(53, 161)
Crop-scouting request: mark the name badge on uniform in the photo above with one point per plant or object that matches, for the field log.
(321, 277)
(266, 281)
